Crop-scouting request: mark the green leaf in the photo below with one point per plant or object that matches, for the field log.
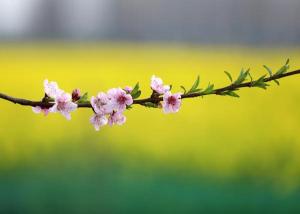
(260, 83)
(228, 75)
(277, 82)
(209, 89)
(150, 105)
(270, 72)
(136, 95)
(284, 68)
(135, 89)
(251, 79)
(183, 88)
(242, 77)
(268, 69)
(287, 61)
(128, 107)
(230, 93)
(83, 98)
(195, 85)
(196, 90)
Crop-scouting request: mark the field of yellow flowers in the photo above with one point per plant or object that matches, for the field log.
(252, 142)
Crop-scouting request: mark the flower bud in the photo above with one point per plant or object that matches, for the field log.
(75, 95)
(128, 89)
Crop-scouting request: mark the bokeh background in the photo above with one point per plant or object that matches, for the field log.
(218, 154)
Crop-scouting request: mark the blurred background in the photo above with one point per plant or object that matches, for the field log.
(217, 155)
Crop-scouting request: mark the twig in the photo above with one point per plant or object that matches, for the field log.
(152, 99)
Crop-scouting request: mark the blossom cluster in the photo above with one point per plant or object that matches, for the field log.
(108, 107)
(63, 102)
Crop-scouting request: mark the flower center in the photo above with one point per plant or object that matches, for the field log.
(100, 103)
(60, 106)
(172, 100)
(121, 100)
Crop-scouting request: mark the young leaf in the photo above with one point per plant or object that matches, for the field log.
(268, 69)
(136, 95)
(251, 79)
(260, 83)
(195, 85)
(287, 61)
(183, 88)
(196, 90)
(135, 89)
(128, 107)
(150, 105)
(277, 82)
(83, 98)
(209, 89)
(231, 93)
(228, 75)
(243, 75)
(284, 68)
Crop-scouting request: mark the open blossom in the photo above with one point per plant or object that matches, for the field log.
(119, 99)
(100, 104)
(116, 118)
(38, 109)
(98, 120)
(157, 85)
(52, 89)
(171, 102)
(64, 105)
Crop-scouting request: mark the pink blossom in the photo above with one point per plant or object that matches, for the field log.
(171, 102)
(64, 105)
(119, 99)
(128, 89)
(38, 109)
(116, 118)
(100, 104)
(98, 120)
(51, 89)
(157, 85)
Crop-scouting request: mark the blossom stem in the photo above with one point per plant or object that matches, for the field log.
(152, 99)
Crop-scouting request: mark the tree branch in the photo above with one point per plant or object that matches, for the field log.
(152, 99)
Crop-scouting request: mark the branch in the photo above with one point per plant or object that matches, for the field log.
(156, 99)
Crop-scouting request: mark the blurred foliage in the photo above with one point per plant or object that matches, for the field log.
(242, 154)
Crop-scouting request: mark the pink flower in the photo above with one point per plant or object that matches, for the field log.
(119, 99)
(98, 120)
(116, 118)
(64, 105)
(171, 103)
(157, 85)
(100, 104)
(128, 89)
(51, 89)
(38, 109)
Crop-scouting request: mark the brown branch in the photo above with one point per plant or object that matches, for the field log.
(151, 99)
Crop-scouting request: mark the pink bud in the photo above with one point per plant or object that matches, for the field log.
(128, 89)
(75, 94)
